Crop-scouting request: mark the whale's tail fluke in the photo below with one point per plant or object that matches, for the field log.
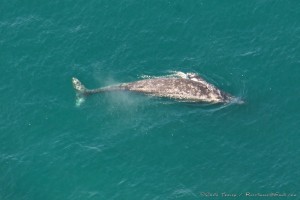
(81, 91)
(78, 86)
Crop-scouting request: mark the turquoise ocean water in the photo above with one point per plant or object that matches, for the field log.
(128, 146)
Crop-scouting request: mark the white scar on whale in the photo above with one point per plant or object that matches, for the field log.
(189, 87)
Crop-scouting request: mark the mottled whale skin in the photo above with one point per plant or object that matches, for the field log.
(183, 86)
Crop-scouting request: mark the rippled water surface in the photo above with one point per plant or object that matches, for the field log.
(128, 146)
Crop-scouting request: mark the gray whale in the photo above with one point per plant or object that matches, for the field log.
(182, 86)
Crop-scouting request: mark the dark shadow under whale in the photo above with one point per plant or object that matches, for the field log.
(187, 87)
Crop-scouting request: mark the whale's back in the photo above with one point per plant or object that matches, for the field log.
(178, 88)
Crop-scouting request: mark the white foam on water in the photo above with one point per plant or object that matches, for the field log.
(174, 74)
